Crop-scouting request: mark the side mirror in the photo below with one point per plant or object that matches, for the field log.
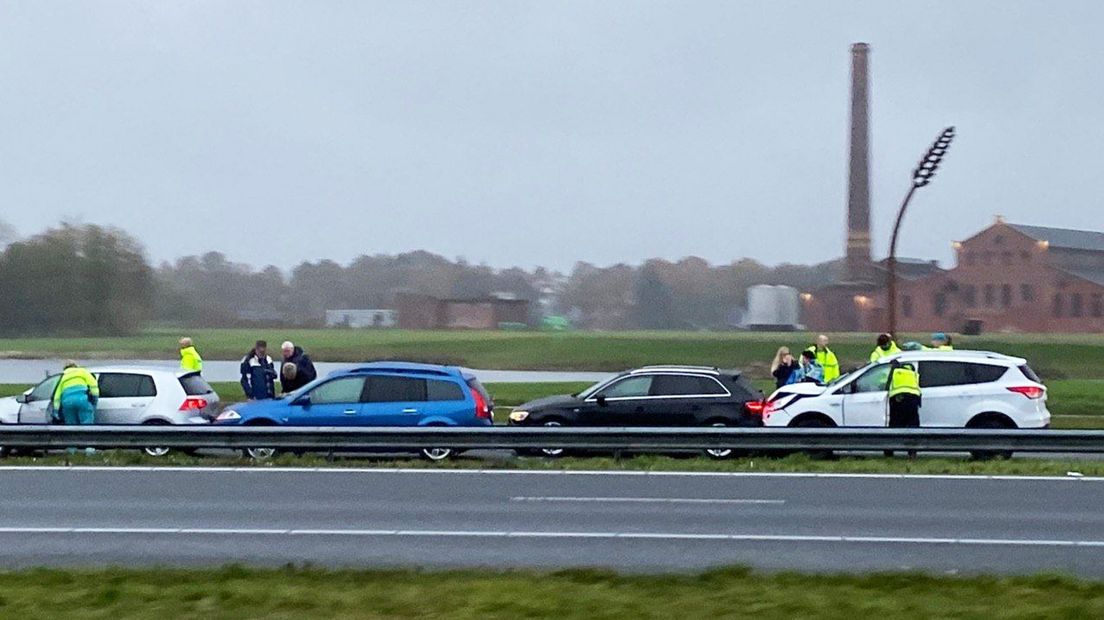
(303, 401)
(601, 400)
(24, 398)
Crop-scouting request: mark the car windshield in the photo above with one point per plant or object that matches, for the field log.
(590, 391)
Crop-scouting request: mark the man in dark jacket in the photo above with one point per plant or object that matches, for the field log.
(297, 369)
(258, 374)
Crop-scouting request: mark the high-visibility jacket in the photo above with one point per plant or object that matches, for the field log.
(190, 359)
(828, 361)
(879, 352)
(942, 347)
(76, 379)
(904, 380)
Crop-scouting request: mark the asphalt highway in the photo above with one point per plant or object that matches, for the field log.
(631, 521)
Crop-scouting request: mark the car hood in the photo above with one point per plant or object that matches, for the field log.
(804, 388)
(9, 410)
(551, 402)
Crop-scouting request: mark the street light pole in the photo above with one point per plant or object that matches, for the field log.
(921, 176)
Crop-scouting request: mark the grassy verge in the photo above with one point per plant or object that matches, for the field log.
(235, 592)
(1054, 356)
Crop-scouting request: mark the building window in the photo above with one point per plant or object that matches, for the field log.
(1006, 295)
(1097, 308)
(1075, 304)
(990, 295)
(969, 295)
(1056, 308)
(906, 305)
(999, 239)
(939, 304)
(1027, 292)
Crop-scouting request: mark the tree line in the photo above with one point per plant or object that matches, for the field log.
(94, 280)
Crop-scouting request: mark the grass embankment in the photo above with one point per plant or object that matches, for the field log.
(235, 592)
(1054, 356)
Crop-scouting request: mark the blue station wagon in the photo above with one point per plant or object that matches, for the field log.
(375, 394)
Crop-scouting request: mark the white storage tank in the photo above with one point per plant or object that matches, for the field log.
(773, 308)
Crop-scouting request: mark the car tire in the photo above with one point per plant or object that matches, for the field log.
(260, 454)
(156, 452)
(816, 423)
(719, 454)
(436, 454)
(990, 455)
(551, 452)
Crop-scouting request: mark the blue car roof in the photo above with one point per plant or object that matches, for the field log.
(411, 367)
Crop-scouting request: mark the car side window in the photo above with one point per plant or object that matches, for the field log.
(44, 390)
(125, 385)
(389, 389)
(629, 387)
(438, 390)
(343, 390)
(685, 385)
(873, 380)
(943, 373)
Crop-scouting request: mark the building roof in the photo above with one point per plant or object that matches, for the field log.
(1063, 237)
(1096, 276)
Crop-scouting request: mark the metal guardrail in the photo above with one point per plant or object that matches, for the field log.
(338, 439)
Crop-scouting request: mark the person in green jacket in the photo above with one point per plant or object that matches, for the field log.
(189, 357)
(826, 358)
(76, 395)
(886, 346)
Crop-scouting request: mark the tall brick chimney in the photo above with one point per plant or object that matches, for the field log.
(858, 184)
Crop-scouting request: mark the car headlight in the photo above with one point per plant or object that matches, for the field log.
(229, 414)
(517, 415)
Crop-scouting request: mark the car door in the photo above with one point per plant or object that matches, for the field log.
(33, 409)
(124, 397)
(337, 402)
(948, 388)
(394, 400)
(621, 403)
(680, 399)
(865, 400)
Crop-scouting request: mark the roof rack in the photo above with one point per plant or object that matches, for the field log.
(706, 369)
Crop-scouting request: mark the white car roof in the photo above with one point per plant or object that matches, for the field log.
(956, 355)
(162, 371)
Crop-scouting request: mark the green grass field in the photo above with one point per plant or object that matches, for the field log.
(1053, 356)
(235, 592)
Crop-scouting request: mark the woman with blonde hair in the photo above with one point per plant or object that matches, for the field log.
(783, 367)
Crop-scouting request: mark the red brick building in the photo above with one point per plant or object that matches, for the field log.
(1008, 277)
(426, 312)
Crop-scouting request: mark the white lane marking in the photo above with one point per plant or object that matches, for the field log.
(525, 472)
(999, 542)
(649, 500)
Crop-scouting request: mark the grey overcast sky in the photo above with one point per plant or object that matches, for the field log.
(544, 132)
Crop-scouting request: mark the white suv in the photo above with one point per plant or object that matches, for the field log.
(972, 389)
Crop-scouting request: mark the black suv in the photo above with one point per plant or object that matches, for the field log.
(652, 396)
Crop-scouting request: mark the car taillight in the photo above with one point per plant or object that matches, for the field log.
(193, 403)
(755, 407)
(1030, 391)
(482, 411)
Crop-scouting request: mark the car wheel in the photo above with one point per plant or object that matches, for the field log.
(816, 423)
(436, 454)
(552, 452)
(990, 455)
(260, 454)
(156, 451)
(719, 453)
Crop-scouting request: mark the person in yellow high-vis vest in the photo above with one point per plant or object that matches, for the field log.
(903, 392)
(886, 346)
(75, 396)
(826, 358)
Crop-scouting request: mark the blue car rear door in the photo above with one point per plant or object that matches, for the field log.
(337, 402)
(394, 400)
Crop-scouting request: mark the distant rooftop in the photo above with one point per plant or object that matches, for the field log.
(1063, 237)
